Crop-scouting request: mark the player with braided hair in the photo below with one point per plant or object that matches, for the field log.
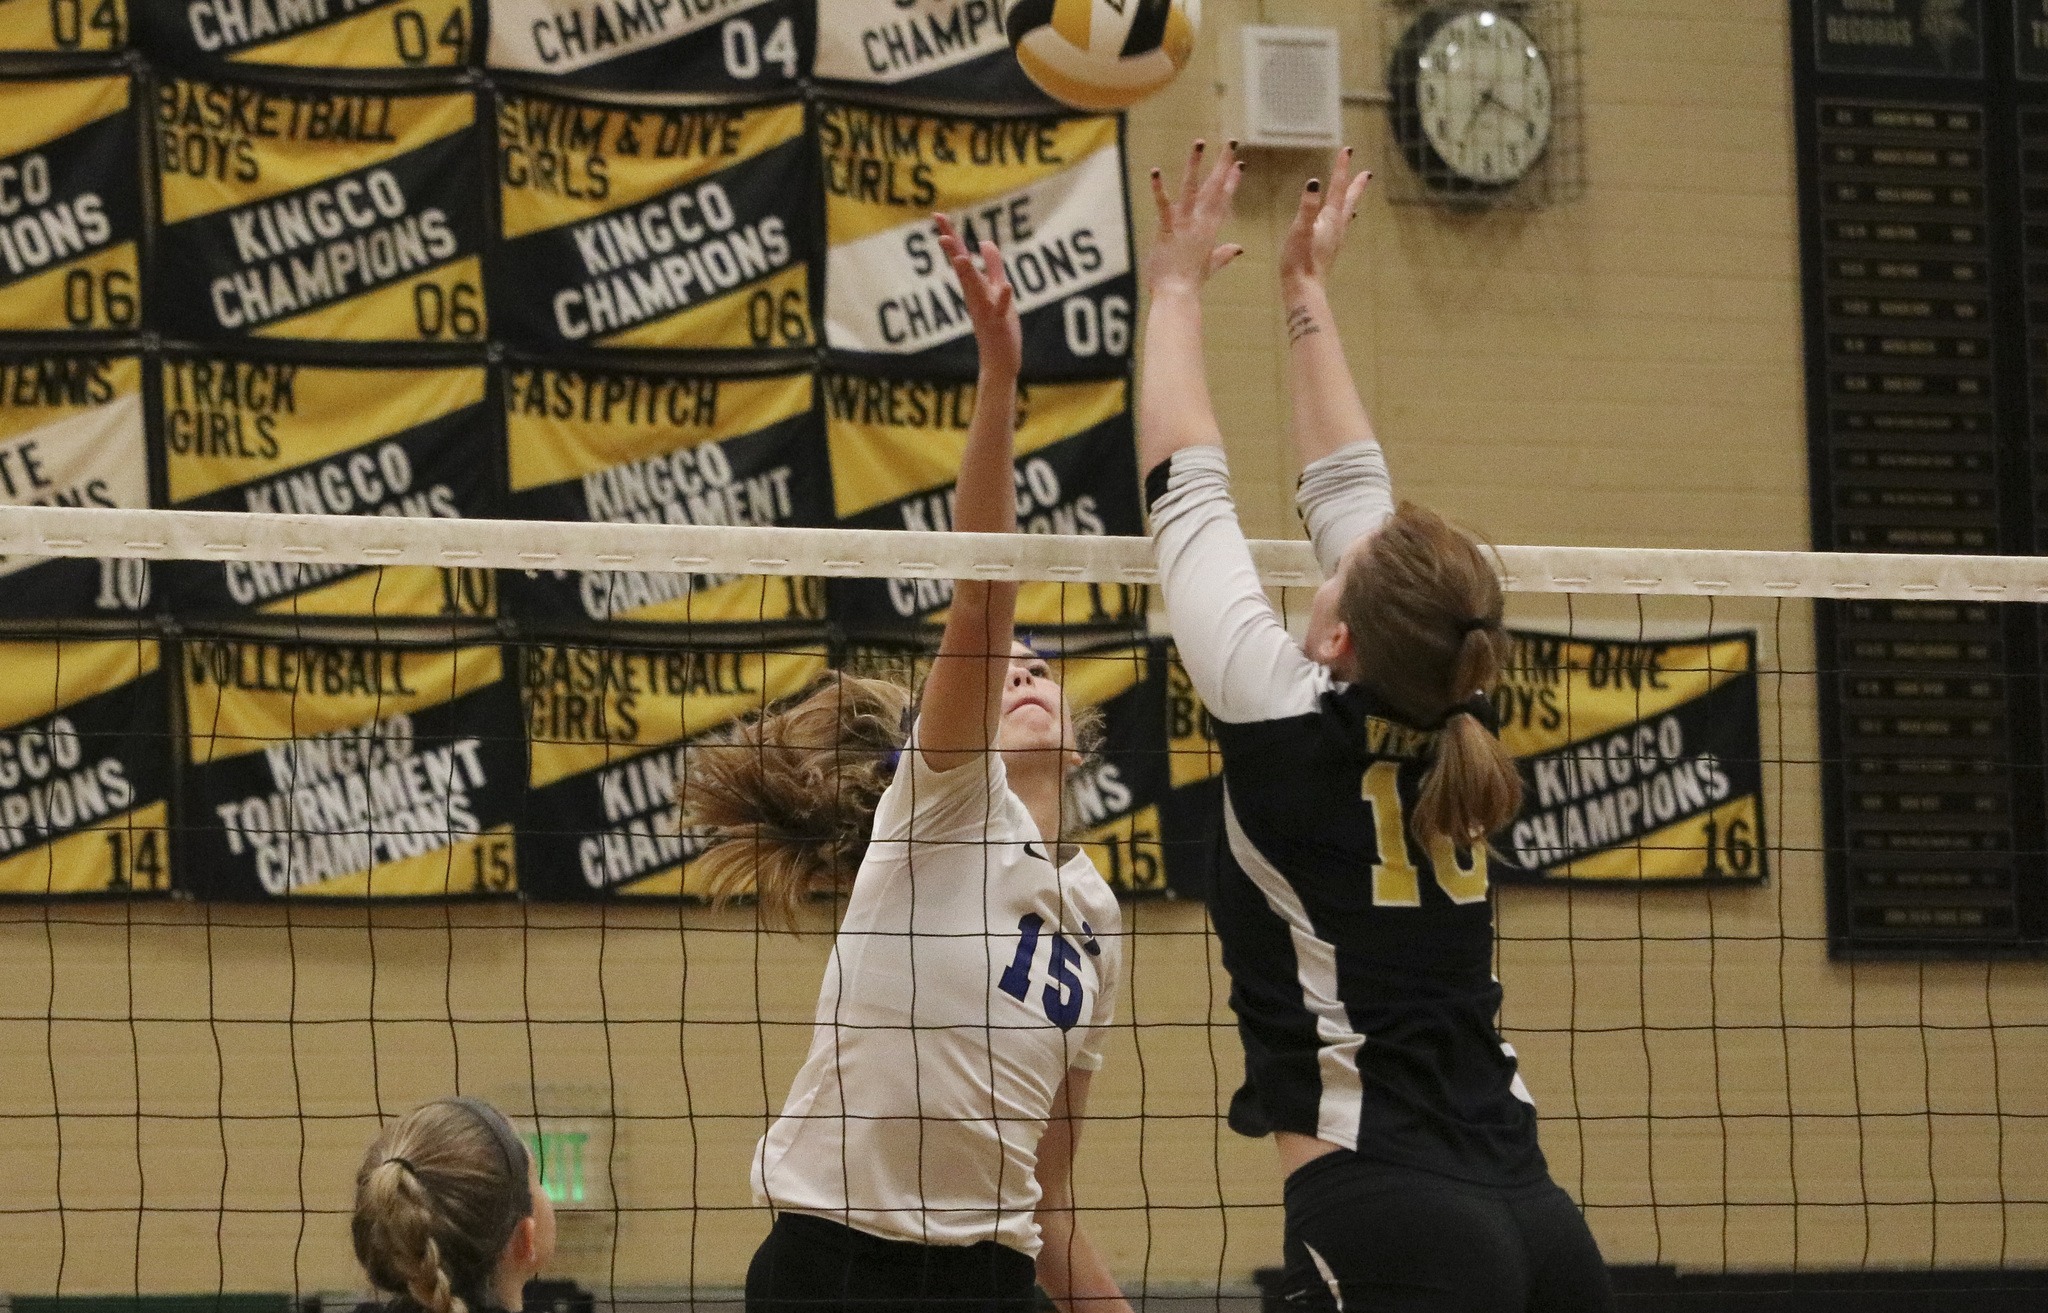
(449, 1213)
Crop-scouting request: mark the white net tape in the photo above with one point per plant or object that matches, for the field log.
(870, 553)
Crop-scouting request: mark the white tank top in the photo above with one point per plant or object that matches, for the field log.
(969, 975)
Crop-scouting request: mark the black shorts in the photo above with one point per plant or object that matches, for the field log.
(1369, 1238)
(812, 1265)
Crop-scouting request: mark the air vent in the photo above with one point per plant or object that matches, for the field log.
(1292, 87)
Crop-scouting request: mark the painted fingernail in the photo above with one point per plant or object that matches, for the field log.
(1315, 184)
(1233, 143)
(1200, 145)
(1155, 173)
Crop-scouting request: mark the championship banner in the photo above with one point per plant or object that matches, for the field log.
(627, 448)
(721, 46)
(1118, 794)
(348, 771)
(1193, 811)
(70, 206)
(1640, 759)
(653, 229)
(318, 215)
(896, 446)
(1048, 191)
(71, 434)
(84, 768)
(1114, 798)
(63, 27)
(302, 35)
(274, 438)
(927, 52)
(609, 732)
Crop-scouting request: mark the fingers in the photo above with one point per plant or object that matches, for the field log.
(1162, 202)
(1340, 177)
(1191, 175)
(992, 269)
(1355, 193)
(1221, 257)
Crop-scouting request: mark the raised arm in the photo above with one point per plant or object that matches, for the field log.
(962, 703)
(1344, 492)
(1236, 651)
(1174, 410)
(1069, 1268)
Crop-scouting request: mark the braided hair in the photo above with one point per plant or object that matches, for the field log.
(439, 1194)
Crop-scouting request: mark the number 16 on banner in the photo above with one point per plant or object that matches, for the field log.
(1048, 191)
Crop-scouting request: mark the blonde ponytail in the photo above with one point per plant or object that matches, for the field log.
(1424, 609)
(1472, 787)
(438, 1195)
(789, 797)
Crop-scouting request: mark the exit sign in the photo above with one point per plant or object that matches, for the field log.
(562, 1157)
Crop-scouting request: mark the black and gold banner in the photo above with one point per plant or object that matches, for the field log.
(681, 229)
(1640, 759)
(271, 438)
(609, 730)
(63, 27)
(306, 34)
(1118, 795)
(84, 768)
(608, 447)
(701, 46)
(70, 206)
(896, 445)
(72, 434)
(926, 52)
(348, 771)
(1048, 191)
(1193, 809)
(320, 215)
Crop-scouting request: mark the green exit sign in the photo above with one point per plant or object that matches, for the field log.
(562, 1156)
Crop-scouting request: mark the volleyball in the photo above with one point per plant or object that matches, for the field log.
(1103, 54)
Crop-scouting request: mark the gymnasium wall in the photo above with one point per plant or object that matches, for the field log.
(1623, 371)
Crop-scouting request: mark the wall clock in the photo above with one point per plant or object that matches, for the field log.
(1474, 106)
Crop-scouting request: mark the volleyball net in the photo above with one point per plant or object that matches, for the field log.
(1769, 925)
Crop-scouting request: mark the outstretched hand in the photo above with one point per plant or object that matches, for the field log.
(1186, 253)
(1317, 233)
(991, 301)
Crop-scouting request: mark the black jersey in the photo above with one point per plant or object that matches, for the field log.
(1360, 961)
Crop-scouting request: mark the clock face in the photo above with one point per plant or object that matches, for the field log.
(1483, 97)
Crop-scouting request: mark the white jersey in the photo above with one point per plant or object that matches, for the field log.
(970, 974)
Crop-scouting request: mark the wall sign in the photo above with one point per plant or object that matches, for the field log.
(611, 447)
(626, 227)
(71, 434)
(1048, 191)
(313, 214)
(336, 770)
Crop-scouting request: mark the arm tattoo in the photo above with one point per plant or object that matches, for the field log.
(1301, 323)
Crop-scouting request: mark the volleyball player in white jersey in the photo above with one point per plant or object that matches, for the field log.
(1362, 777)
(923, 1158)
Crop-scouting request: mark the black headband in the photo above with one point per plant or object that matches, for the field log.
(510, 1145)
(1480, 708)
(1474, 626)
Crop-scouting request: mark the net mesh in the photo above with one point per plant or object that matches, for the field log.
(338, 869)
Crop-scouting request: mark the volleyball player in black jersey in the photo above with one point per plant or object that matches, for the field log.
(1362, 776)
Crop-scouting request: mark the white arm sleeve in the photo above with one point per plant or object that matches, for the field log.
(1243, 662)
(1343, 497)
